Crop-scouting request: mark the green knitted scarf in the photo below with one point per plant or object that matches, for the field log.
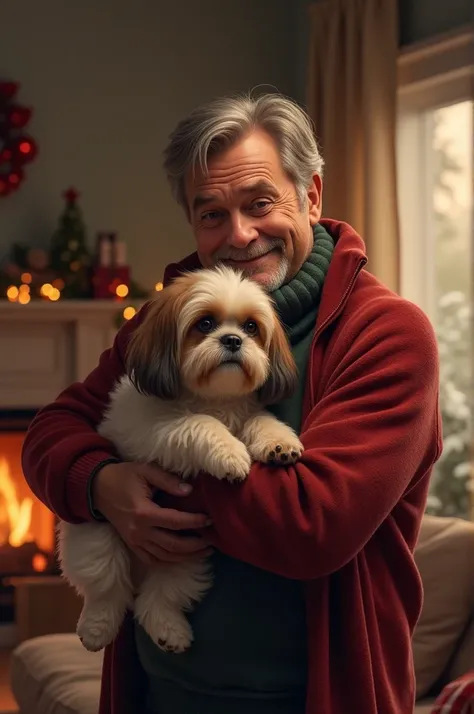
(297, 302)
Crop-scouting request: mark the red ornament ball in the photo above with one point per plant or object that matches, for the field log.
(15, 179)
(18, 116)
(24, 150)
(6, 156)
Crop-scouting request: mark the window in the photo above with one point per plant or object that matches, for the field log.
(435, 155)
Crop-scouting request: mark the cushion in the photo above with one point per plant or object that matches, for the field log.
(445, 558)
(54, 674)
(457, 697)
(463, 660)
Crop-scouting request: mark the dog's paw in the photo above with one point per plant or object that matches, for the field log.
(96, 629)
(172, 635)
(279, 452)
(233, 463)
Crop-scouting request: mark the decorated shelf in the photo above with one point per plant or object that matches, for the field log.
(68, 271)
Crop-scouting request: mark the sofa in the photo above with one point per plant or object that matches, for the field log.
(53, 674)
(443, 643)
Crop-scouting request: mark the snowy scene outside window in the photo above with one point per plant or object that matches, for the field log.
(451, 197)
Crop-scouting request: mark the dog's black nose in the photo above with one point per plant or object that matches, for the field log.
(231, 342)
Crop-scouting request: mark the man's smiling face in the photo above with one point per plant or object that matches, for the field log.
(245, 212)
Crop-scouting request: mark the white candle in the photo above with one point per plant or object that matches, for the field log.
(105, 252)
(120, 253)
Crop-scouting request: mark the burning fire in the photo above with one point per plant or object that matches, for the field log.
(15, 514)
(26, 525)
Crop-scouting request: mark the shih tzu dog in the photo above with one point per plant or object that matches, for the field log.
(209, 355)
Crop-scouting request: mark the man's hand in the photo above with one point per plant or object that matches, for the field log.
(123, 493)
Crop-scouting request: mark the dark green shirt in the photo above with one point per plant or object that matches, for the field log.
(249, 654)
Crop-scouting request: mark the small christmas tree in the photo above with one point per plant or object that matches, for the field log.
(70, 257)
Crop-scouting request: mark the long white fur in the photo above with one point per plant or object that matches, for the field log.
(216, 433)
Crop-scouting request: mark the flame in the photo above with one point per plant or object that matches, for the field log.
(15, 514)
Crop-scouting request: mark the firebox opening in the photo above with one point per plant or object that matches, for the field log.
(26, 525)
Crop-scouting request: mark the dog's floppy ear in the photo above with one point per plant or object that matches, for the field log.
(283, 375)
(153, 353)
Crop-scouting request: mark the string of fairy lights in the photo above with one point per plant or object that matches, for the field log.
(51, 292)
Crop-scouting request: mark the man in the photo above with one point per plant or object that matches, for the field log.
(316, 592)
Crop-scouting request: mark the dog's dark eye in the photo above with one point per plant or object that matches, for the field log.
(251, 328)
(206, 324)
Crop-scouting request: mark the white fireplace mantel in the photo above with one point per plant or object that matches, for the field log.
(44, 347)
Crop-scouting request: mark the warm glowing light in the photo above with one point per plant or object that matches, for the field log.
(39, 563)
(129, 312)
(54, 294)
(24, 298)
(12, 293)
(58, 283)
(15, 514)
(24, 288)
(158, 287)
(46, 289)
(26, 278)
(121, 290)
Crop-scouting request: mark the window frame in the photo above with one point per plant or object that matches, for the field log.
(430, 75)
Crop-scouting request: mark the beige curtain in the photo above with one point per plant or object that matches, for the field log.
(352, 101)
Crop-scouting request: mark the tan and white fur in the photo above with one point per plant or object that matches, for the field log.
(208, 356)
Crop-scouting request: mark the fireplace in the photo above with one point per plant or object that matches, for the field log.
(27, 527)
(54, 345)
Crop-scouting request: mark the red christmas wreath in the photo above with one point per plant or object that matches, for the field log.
(17, 148)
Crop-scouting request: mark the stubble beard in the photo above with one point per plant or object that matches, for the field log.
(276, 280)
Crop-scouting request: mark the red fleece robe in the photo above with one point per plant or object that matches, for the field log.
(344, 520)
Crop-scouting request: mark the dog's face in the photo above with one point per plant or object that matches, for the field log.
(215, 334)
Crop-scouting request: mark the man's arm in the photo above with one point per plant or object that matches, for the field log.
(62, 448)
(372, 435)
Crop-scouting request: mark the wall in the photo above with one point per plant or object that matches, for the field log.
(108, 83)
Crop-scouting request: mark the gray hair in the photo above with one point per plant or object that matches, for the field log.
(213, 127)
